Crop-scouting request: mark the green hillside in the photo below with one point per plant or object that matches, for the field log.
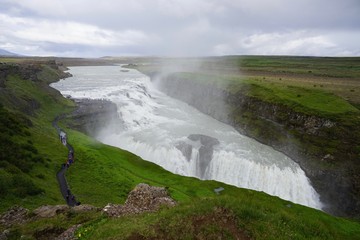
(31, 154)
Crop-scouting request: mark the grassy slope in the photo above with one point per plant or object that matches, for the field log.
(105, 174)
(257, 215)
(16, 100)
(308, 100)
(116, 171)
(340, 76)
(342, 67)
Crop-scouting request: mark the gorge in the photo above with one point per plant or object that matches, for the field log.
(183, 140)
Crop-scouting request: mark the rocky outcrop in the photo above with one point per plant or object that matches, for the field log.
(25, 71)
(19, 215)
(14, 216)
(39, 72)
(49, 211)
(69, 234)
(30, 70)
(85, 208)
(92, 115)
(143, 198)
(326, 149)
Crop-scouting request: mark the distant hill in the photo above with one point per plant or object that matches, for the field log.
(7, 53)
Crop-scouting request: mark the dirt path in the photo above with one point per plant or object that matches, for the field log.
(64, 187)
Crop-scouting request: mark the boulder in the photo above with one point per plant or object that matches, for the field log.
(48, 211)
(15, 215)
(85, 208)
(143, 198)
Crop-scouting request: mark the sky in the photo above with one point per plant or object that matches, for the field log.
(88, 28)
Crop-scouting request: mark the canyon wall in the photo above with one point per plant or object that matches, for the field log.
(324, 148)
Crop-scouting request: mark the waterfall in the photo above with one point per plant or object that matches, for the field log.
(184, 141)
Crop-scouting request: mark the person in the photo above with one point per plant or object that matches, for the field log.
(70, 158)
(63, 137)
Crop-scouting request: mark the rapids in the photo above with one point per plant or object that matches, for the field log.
(157, 128)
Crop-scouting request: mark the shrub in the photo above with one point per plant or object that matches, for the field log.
(41, 176)
(23, 186)
(5, 183)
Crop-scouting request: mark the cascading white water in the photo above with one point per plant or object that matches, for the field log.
(154, 125)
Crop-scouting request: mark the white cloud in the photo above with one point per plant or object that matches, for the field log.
(185, 8)
(68, 32)
(182, 27)
(290, 43)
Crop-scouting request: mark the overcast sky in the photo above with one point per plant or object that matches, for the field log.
(88, 28)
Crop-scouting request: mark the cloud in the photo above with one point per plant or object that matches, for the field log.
(181, 27)
(42, 32)
(299, 42)
(186, 8)
(68, 32)
(291, 43)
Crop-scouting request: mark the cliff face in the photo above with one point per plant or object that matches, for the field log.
(29, 71)
(326, 149)
(25, 71)
(37, 72)
(91, 116)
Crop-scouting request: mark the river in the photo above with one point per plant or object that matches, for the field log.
(183, 140)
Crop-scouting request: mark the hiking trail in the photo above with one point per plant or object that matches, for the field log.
(64, 187)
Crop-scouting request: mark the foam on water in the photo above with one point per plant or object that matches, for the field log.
(153, 124)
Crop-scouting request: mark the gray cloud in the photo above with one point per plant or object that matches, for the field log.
(180, 27)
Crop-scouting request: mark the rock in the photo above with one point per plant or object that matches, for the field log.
(92, 115)
(69, 234)
(328, 157)
(4, 234)
(143, 198)
(85, 208)
(15, 215)
(49, 211)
